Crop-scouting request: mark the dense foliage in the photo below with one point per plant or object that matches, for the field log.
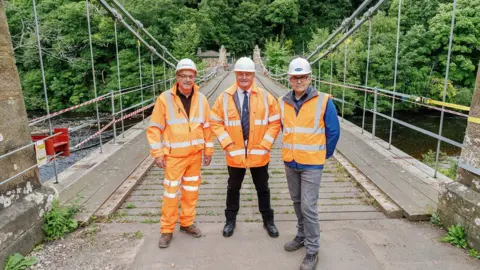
(281, 28)
(423, 47)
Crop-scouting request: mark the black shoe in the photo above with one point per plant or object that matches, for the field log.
(229, 227)
(295, 244)
(271, 229)
(310, 262)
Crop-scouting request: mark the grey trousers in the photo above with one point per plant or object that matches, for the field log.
(304, 186)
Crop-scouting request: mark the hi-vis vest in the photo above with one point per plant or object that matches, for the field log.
(264, 127)
(182, 135)
(304, 137)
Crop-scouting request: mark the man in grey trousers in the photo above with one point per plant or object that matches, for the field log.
(310, 134)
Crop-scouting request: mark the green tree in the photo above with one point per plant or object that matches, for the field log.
(281, 12)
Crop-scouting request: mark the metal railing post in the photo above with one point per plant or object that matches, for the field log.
(319, 74)
(445, 85)
(395, 74)
(113, 117)
(118, 77)
(164, 75)
(153, 78)
(93, 70)
(44, 83)
(141, 79)
(366, 72)
(375, 99)
(344, 78)
(331, 74)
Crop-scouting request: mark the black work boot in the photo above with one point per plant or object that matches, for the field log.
(295, 244)
(229, 228)
(271, 229)
(310, 262)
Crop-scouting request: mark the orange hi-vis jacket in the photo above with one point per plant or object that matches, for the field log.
(304, 137)
(264, 127)
(182, 135)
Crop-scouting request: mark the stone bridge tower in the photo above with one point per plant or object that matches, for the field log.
(23, 199)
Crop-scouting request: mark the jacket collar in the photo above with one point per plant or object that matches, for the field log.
(289, 98)
(233, 89)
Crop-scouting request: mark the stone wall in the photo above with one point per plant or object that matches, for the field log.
(459, 202)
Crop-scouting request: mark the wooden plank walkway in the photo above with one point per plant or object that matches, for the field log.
(340, 198)
(416, 198)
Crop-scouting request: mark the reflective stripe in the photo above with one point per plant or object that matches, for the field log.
(237, 152)
(184, 144)
(223, 136)
(171, 183)
(199, 141)
(206, 125)
(153, 124)
(265, 102)
(258, 152)
(303, 130)
(196, 120)
(225, 108)
(268, 138)
(171, 112)
(309, 130)
(190, 188)
(288, 130)
(215, 118)
(176, 121)
(282, 109)
(234, 123)
(318, 111)
(209, 144)
(170, 195)
(274, 118)
(190, 178)
(156, 145)
(304, 147)
(261, 122)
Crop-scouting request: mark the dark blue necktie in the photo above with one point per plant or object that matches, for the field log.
(245, 116)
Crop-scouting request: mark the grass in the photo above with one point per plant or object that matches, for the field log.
(150, 221)
(130, 205)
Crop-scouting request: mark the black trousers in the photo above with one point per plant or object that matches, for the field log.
(260, 180)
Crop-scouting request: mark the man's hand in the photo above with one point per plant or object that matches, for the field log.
(161, 162)
(229, 148)
(207, 160)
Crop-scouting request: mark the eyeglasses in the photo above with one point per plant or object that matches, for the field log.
(191, 77)
(300, 78)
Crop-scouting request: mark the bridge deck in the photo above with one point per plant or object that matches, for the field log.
(339, 198)
(354, 234)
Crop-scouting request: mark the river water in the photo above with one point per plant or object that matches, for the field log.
(414, 142)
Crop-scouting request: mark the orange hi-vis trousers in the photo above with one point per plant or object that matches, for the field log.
(182, 175)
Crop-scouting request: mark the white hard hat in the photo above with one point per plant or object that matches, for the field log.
(244, 64)
(186, 64)
(299, 66)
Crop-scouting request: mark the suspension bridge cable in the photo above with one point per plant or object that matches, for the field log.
(357, 25)
(140, 26)
(344, 25)
(118, 16)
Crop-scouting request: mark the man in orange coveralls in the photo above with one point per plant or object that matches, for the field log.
(182, 117)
